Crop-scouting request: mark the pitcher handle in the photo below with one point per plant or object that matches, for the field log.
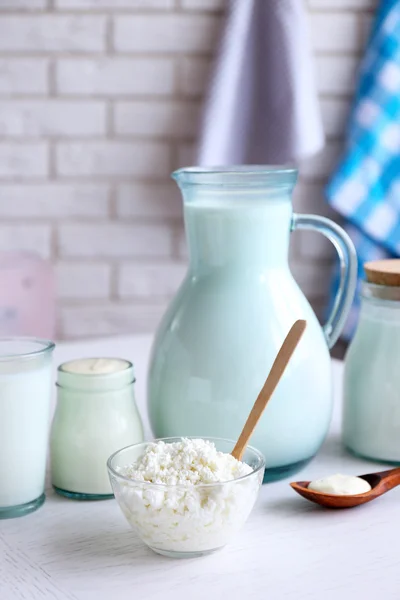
(348, 270)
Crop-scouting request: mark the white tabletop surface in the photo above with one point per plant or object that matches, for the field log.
(288, 549)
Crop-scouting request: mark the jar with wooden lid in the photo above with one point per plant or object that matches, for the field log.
(371, 412)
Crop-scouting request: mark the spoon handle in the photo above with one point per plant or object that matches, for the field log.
(275, 374)
(389, 478)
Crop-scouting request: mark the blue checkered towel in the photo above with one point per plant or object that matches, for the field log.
(365, 189)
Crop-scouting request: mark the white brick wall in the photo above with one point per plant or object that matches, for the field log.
(202, 4)
(94, 319)
(154, 280)
(112, 4)
(163, 119)
(152, 200)
(30, 238)
(361, 5)
(22, 4)
(321, 165)
(54, 200)
(335, 112)
(52, 118)
(83, 281)
(113, 159)
(340, 34)
(27, 160)
(115, 76)
(193, 75)
(24, 76)
(52, 33)
(178, 33)
(336, 74)
(114, 240)
(99, 101)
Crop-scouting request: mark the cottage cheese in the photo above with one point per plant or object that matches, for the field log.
(181, 513)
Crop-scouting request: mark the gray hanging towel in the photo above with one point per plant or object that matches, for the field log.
(262, 105)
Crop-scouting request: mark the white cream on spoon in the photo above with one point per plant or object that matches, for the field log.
(340, 485)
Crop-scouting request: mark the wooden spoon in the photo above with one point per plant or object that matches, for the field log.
(380, 483)
(275, 374)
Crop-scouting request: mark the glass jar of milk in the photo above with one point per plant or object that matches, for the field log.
(371, 417)
(96, 415)
(25, 393)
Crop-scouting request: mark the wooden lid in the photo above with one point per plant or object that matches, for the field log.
(383, 272)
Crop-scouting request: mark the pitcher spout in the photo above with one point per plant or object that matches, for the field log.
(237, 216)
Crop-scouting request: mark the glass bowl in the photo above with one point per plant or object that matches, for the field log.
(184, 521)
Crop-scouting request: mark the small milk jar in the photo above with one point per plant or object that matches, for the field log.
(96, 415)
(371, 417)
(25, 395)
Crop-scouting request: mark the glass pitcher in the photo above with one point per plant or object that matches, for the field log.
(218, 339)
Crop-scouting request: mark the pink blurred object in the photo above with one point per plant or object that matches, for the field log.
(27, 296)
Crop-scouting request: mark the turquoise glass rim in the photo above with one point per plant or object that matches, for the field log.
(237, 175)
(23, 348)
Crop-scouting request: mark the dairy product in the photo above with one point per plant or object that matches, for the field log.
(186, 496)
(371, 408)
(95, 366)
(25, 394)
(24, 422)
(226, 324)
(189, 462)
(340, 485)
(96, 415)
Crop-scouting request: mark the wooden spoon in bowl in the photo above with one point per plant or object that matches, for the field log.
(380, 483)
(280, 363)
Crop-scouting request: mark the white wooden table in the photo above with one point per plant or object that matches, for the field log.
(289, 549)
